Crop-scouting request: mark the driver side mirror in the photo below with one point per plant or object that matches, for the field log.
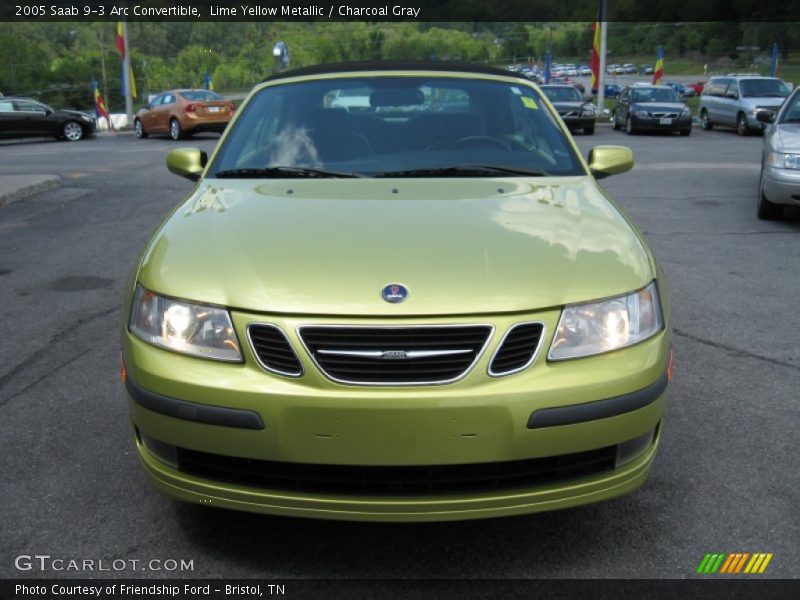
(765, 116)
(609, 160)
(187, 162)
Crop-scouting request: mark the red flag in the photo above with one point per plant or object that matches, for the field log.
(595, 61)
(120, 39)
(100, 105)
(658, 72)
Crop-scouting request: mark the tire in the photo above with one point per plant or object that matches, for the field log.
(685, 132)
(138, 128)
(629, 126)
(175, 130)
(741, 125)
(705, 122)
(767, 211)
(72, 131)
(614, 122)
(588, 130)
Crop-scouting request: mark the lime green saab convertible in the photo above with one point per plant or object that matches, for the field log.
(397, 293)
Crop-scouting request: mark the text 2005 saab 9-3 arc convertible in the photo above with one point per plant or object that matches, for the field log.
(414, 305)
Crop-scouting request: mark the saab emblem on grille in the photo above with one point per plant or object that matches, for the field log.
(394, 293)
(395, 355)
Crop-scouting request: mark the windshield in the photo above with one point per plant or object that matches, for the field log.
(562, 94)
(764, 88)
(653, 95)
(373, 126)
(200, 95)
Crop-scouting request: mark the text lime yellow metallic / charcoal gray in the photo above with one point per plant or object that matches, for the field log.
(397, 293)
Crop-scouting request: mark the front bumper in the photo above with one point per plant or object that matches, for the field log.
(781, 186)
(654, 124)
(479, 419)
(579, 122)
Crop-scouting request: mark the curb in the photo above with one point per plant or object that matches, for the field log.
(17, 187)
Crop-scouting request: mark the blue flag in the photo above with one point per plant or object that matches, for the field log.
(547, 60)
(773, 67)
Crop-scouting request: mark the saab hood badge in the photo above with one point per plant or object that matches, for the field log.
(394, 293)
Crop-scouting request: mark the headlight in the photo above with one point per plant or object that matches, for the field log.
(783, 161)
(86, 118)
(686, 112)
(184, 327)
(598, 327)
(641, 113)
(588, 112)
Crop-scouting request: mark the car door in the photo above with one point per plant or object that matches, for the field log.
(150, 117)
(9, 126)
(33, 119)
(729, 104)
(164, 112)
(623, 106)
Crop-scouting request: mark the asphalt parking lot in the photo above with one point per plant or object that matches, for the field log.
(727, 478)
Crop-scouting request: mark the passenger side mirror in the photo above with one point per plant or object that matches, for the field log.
(609, 160)
(765, 116)
(187, 162)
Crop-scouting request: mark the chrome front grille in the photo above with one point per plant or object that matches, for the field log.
(378, 355)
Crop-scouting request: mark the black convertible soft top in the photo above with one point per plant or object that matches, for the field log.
(392, 65)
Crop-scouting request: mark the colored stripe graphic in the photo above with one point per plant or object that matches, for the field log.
(734, 563)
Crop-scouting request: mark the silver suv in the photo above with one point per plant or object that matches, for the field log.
(734, 101)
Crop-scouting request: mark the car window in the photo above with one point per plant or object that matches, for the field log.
(791, 111)
(200, 95)
(732, 91)
(654, 95)
(156, 101)
(27, 106)
(763, 88)
(6, 106)
(562, 94)
(168, 99)
(371, 125)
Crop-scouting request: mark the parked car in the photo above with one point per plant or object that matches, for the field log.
(24, 117)
(181, 113)
(516, 361)
(779, 184)
(651, 108)
(646, 69)
(576, 112)
(697, 86)
(629, 68)
(734, 101)
(681, 89)
(612, 90)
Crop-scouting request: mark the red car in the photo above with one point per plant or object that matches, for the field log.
(697, 86)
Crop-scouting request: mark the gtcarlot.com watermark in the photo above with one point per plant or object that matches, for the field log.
(48, 563)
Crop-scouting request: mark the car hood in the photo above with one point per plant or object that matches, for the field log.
(788, 138)
(771, 102)
(659, 106)
(329, 246)
(74, 113)
(569, 105)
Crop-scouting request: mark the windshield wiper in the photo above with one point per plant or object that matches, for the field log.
(280, 172)
(464, 171)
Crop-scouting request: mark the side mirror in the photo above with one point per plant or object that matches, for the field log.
(765, 116)
(187, 162)
(609, 160)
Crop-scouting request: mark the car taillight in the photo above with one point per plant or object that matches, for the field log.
(191, 107)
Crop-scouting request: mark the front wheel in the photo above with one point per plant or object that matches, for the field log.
(615, 122)
(741, 125)
(72, 131)
(767, 211)
(629, 126)
(175, 130)
(705, 122)
(138, 128)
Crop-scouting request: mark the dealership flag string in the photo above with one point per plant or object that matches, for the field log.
(658, 72)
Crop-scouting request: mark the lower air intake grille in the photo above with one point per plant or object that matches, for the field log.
(273, 350)
(395, 355)
(396, 481)
(517, 350)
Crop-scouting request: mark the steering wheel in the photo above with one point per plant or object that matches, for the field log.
(474, 141)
